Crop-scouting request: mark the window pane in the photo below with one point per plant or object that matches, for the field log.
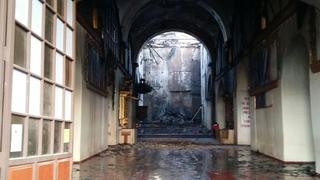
(47, 99)
(36, 22)
(17, 127)
(69, 42)
(58, 103)
(33, 134)
(70, 12)
(19, 91)
(50, 2)
(35, 56)
(57, 136)
(34, 98)
(49, 25)
(68, 73)
(46, 134)
(66, 137)
(68, 105)
(59, 34)
(60, 7)
(20, 47)
(22, 11)
(59, 68)
(48, 55)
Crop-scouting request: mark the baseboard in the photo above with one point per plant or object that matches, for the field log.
(88, 158)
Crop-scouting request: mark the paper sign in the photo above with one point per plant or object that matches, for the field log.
(245, 108)
(16, 137)
(66, 136)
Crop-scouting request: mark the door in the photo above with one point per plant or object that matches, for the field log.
(2, 158)
(39, 125)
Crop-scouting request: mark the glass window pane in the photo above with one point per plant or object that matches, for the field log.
(47, 99)
(49, 26)
(60, 7)
(58, 113)
(68, 105)
(46, 136)
(59, 34)
(69, 42)
(66, 137)
(70, 12)
(17, 128)
(20, 47)
(59, 69)
(48, 55)
(36, 22)
(50, 2)
(35, 56)
(19, 92)
(22, 11)
(68, 73)
(34, 98)
(57, 136)
(33, 134)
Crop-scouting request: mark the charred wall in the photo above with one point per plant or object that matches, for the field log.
(174, 73)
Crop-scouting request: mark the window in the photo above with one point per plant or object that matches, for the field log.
(69, 39)
(35, 56)
(49, 26)
(17, 128)
(19, 92)
(42, 79)
(22, 12)
(46, 136)
(48, 58)
(50, 2)
(60, 7)
(34, 96)
(68, 73)
(264, 67)
(57, 136)
(59, 34)
(33, 136)
(20, 47)
(59, 68)
(68, 105)
(70, 12)
(58, 103)
(47, 99)
(36, 21)
(66, 137)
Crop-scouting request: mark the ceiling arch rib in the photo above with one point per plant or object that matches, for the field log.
(131, 12)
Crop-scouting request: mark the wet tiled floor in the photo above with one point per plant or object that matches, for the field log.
(187, 161)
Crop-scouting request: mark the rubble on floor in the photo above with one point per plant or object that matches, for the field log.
(185, 160)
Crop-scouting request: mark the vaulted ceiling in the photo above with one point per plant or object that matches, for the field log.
(140, 20)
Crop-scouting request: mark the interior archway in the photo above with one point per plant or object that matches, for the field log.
(176, 65)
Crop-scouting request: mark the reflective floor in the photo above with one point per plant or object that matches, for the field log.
(186, 161)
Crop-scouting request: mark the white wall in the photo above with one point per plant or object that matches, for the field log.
(266, 123)
(205, 72)
(113, 117)
(95, 122)
(315, 114)
(296, 103)
(283, 130)
(241, 102)
(221, 112)
(315, 101)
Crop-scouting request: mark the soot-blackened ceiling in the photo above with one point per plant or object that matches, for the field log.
(142, 19)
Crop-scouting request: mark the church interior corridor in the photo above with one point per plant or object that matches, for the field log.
(159, 89)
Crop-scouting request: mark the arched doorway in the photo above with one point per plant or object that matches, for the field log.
(175, 65)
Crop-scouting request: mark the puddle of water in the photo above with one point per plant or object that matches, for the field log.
(178, 161)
